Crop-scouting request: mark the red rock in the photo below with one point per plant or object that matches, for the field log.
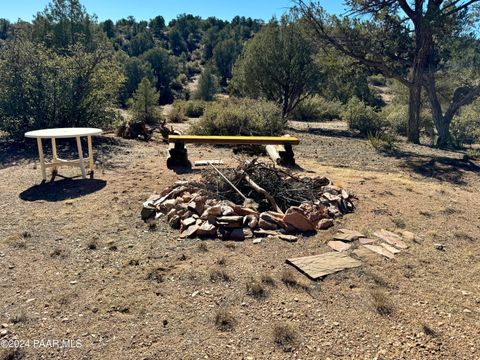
(174, 222)
(325, 224)
(273, 217)
(266, 225)
(244, 211)
(313, 212)
(171, 213)
(168, 205)
(188, 221)
(296, 217)
(251, 221)
(339, 245)
(190, 231)
(289, 238)
(198, 204)
(261, 232)
(227, 210)
(207, 229)
(366, 241)
(391, 238)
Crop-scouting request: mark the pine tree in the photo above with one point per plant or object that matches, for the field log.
(144, 101)
(207, 85)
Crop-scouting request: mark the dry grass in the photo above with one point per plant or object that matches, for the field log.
(219, 275)
(19, 317)
(291, 280)
(427, 330)
(268, 279)
(155, 275)
(224, 320)
(381, 303)
(92, 245)
(222, 261)
(11, 354)
(202, 247)
(285, 336)
(256, 289)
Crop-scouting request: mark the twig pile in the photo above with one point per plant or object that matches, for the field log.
(254, 199)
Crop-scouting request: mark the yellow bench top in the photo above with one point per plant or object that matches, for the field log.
(263, 140)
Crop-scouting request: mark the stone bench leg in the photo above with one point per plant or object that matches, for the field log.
(287, 156)
(281, 154)
(177, 155)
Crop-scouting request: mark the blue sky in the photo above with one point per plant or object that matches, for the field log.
(147, 9)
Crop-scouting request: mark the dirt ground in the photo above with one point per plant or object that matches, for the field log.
(77, 262)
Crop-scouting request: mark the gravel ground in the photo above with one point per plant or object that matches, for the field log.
(76, 261)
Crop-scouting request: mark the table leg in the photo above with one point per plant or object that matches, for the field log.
(90, 153)
(42, 158)
(80, 156)
(54, 152)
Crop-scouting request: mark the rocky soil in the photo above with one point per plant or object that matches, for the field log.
(77, 261)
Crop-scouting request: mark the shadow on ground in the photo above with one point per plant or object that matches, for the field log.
(442, 168)
(12, 152)
(338, 133)
(62, 190)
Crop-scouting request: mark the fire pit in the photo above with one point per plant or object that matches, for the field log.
(281, 203)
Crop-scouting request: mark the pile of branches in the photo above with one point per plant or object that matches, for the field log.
(252, 199)
(286, 188)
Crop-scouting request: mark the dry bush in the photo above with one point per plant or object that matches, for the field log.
(175, 116)
(222, 261)
(285, 336)
(59, 253)
(11, 354)
(240, 117)
(427, 330)
(202, 247)
(19, 317)
(224, 320)
(268, 279)
(230, 246)
(217, 275)
(92, 245)
(155, 275)
(291, 280)
(381, 302)
(256, 289)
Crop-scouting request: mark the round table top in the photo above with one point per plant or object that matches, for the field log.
(60, 133)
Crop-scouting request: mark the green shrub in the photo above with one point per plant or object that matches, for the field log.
(182, 79)
(191, 108)
(362, 118)
(317, 108)
(240, 117)
(42, 89)
(465, 128)
(175, 116)
(377, 80)
(397, 118)
(382, 141)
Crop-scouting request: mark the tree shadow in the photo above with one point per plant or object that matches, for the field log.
(62, 190)
(338, 133)
(104, 148)
(441, 168)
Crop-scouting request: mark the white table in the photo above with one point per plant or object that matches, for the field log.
(64, 133)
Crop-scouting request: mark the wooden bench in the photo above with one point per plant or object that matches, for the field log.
(278, 147)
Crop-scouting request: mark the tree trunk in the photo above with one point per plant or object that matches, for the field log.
(414, 107)
(442, 123)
